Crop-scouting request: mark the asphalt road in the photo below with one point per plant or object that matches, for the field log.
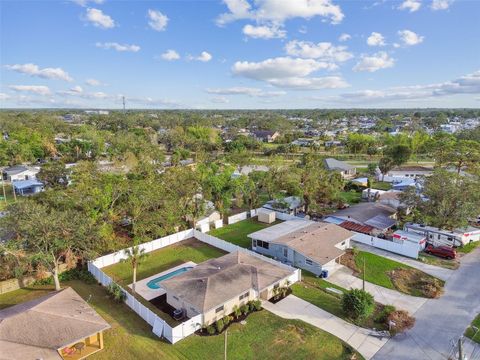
(440, 322)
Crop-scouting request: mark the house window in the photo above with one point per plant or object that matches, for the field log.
(254, 243)
(244, 296)
(308, 262)
(263, 244)
(438, 236)
(285, 252)
(217, 310)
(450, 238)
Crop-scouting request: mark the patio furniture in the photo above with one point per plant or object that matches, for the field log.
(79, 346)
(68, 351)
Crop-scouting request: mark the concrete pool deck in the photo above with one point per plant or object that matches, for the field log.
(147, 293)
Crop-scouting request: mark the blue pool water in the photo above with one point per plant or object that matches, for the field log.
(154, 283)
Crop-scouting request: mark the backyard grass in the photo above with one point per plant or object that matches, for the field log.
(265, 335)
(394, 275)
(351, 197)
(436, 261)
(237, 233)
(381, 185)
(313, 290)
(473, 331)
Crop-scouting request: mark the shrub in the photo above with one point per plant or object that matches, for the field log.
(357, 303)
(219, 325)
(69, 275)
(226, 320)
(383, 315)
(236, 311)
(257, 305)
(211, 330)
(244, 309)
(116, 292)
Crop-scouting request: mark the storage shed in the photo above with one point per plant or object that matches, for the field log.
(266, 216)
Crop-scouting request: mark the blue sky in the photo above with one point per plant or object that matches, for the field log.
(240, 53)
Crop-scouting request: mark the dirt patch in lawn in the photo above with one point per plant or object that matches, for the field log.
(402, 320)
(348, 260)
(417, 283)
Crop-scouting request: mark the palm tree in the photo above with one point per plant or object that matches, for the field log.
(135, 256)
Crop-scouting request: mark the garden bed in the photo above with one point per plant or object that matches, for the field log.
(276, 299)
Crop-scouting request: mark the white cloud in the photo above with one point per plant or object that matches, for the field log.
(99, 19)
(170, 55)
(441, 4)
(4, 96)
(35, 70)
(249, 91)
(35, 89)
(344, 37)
(158, 21)
(410, 5)
(289, 72)
(264, 31)
(467, 84)
(204, 57)
(323, 51)
(376, 39)
(85, 2)
(302, 29)
(93, 82)
(118, 47)
(74, 91)
(277, 11)
(409, 38)
(219, 100)
(377, 61)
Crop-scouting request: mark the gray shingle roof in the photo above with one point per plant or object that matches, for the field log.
(334, 164)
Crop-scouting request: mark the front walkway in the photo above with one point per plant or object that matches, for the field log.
(344, 278)
(436, 271)
(359, 338)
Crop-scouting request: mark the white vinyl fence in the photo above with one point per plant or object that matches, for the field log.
(406, 248)
(159, 326)
(237, 217)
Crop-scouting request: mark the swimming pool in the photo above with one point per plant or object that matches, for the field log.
(154, 283)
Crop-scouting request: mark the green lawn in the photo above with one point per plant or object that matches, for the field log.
(237, 233)
(9, 197)
(474, 333)
(381, 185)
(351, 197)
(313, 290)
(265, 336)
(469, 247)
(381, 271)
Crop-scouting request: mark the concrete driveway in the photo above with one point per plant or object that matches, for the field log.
(344, 278)
(440, 322)
(359, 338)
(438, 272)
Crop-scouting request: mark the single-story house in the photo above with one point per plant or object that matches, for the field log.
(410, 171)
(214, 287)
(56, 326)
(333, 143)
(436, 236)
(266, 135)
(346, 170)
(289, 205)
(27, 187)
(309, 245)
(404, 184)
(377, 215)
(20, 172)
(247, 169)
(305, 142)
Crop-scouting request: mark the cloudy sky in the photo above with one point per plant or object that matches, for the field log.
(240, 53)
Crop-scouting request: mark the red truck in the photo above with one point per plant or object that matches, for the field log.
(441, 251)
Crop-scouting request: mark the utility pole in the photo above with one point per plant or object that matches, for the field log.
(225, 349)
(460, 349)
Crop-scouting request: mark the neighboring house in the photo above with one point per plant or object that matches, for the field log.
(305, 142)
(333, 143)
(379, 216)
(248, 169)
(346, 170)
(27, 187)
(405, 184)
(20, 172)
(59, 325)
(289, 205)
(410, 171)
(436, 236)
(266, 135)
(309, 245)
(214, 287)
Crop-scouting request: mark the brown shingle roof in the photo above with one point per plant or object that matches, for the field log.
(317, 241)
(37, 328)
(213, 282)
